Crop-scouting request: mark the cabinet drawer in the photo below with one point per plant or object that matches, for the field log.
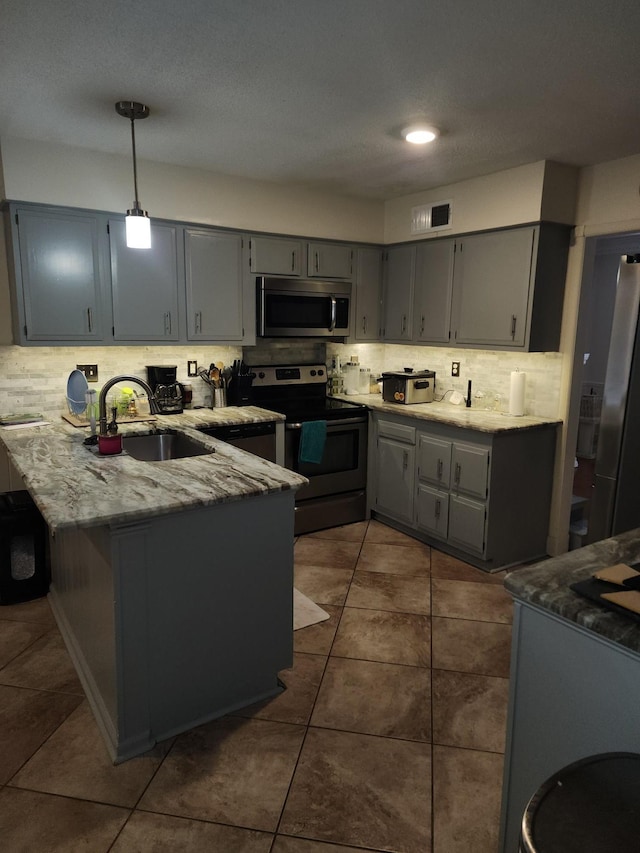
(433, 511)
(400, 432)
(434, 460)
(467, 520)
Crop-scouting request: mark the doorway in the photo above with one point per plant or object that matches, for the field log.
(600, 276)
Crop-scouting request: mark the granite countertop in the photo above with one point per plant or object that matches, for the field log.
(73, 487)
(546, 585)
(458, 416)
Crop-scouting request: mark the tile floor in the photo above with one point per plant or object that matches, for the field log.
(389, 737)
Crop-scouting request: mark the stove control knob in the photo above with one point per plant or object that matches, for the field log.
(261, 375)
(313, 373)
(321, 373)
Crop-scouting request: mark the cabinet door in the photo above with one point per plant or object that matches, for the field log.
(470, 466)
(492, 276)
(144, 285)
(273, 256)
(433, 291)
(432, 511)
(368, 294)
(400, 266)
(213, 267)
(60, 276)
(325, 260)
(467, 522)
(395, 479)
(434, 461)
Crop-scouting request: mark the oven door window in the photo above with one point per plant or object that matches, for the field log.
(341, 452)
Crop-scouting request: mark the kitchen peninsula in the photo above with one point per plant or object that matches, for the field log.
(575, 674)
(172, 581)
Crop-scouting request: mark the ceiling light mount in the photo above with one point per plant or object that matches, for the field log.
(138, 225)
(420, 134)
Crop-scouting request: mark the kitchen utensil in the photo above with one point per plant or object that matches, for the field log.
(77, 386)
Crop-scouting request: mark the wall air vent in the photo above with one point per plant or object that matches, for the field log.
(431, 217)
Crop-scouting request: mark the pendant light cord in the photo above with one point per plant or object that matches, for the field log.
(136, 203)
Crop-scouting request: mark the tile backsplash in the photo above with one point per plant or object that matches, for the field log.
(489, 372)
(35, 378)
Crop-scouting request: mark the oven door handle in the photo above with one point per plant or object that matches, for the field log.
(336, 423)
(334, 314)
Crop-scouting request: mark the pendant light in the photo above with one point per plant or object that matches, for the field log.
(138, 224)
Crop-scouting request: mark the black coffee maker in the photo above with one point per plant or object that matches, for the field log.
(167, 391)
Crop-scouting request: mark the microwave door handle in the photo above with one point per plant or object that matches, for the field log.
(262, 311)
(334, 314)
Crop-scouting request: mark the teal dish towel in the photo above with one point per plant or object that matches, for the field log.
(312, 438)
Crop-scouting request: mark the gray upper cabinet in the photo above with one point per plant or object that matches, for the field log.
(58, 276)
(509, 288)
(144, 285)
(492, 276)
(433, 291)
(213, 271)
(275, 256)
(329, 260)
(368, 294)
(399, 278)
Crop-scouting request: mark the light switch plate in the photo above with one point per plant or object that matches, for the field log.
(90, 371)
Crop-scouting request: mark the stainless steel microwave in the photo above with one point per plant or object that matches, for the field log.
(292, 308)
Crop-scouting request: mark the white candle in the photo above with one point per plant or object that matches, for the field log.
(516, 394)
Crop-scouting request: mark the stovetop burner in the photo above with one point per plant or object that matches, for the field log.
(298, 391)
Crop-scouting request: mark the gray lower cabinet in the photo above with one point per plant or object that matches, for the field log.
(395, 472)
(368, 294)
(57, 272)
(329, 260)
(275, 256)
(399, 278)
(213, 273)
(144, 285)
(483, 497)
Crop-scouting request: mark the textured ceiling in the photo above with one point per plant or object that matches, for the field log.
(315, 92)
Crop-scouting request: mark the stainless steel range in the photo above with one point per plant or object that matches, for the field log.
(336, 492)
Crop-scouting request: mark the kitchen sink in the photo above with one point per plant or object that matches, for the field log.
(161, 446)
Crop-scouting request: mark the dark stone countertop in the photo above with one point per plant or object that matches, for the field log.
(546, 585)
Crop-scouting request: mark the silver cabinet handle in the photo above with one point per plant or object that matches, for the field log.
(317, 262)
(438, 507)
(198, 321)
(167, 323)
(440, 467)
(457, 472)
(514, 320)
(404, 324)
(293, 261)
(334, 314)
(422, 325)
(405, 460)
(90, 319)
(364, 323)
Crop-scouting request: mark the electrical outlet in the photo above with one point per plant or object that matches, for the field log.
(192, 368)
(90, 371)
(455, 368)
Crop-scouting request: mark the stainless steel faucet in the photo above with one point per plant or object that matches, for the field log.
(102, 399)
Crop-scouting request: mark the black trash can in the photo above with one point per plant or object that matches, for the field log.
(24, 557)
(591, 806)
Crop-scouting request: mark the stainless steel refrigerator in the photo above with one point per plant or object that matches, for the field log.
(616, 495)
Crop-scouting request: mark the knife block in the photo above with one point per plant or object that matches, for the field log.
(239, 392)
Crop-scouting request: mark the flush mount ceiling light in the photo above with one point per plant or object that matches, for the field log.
(137, 223)
(420, 134)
